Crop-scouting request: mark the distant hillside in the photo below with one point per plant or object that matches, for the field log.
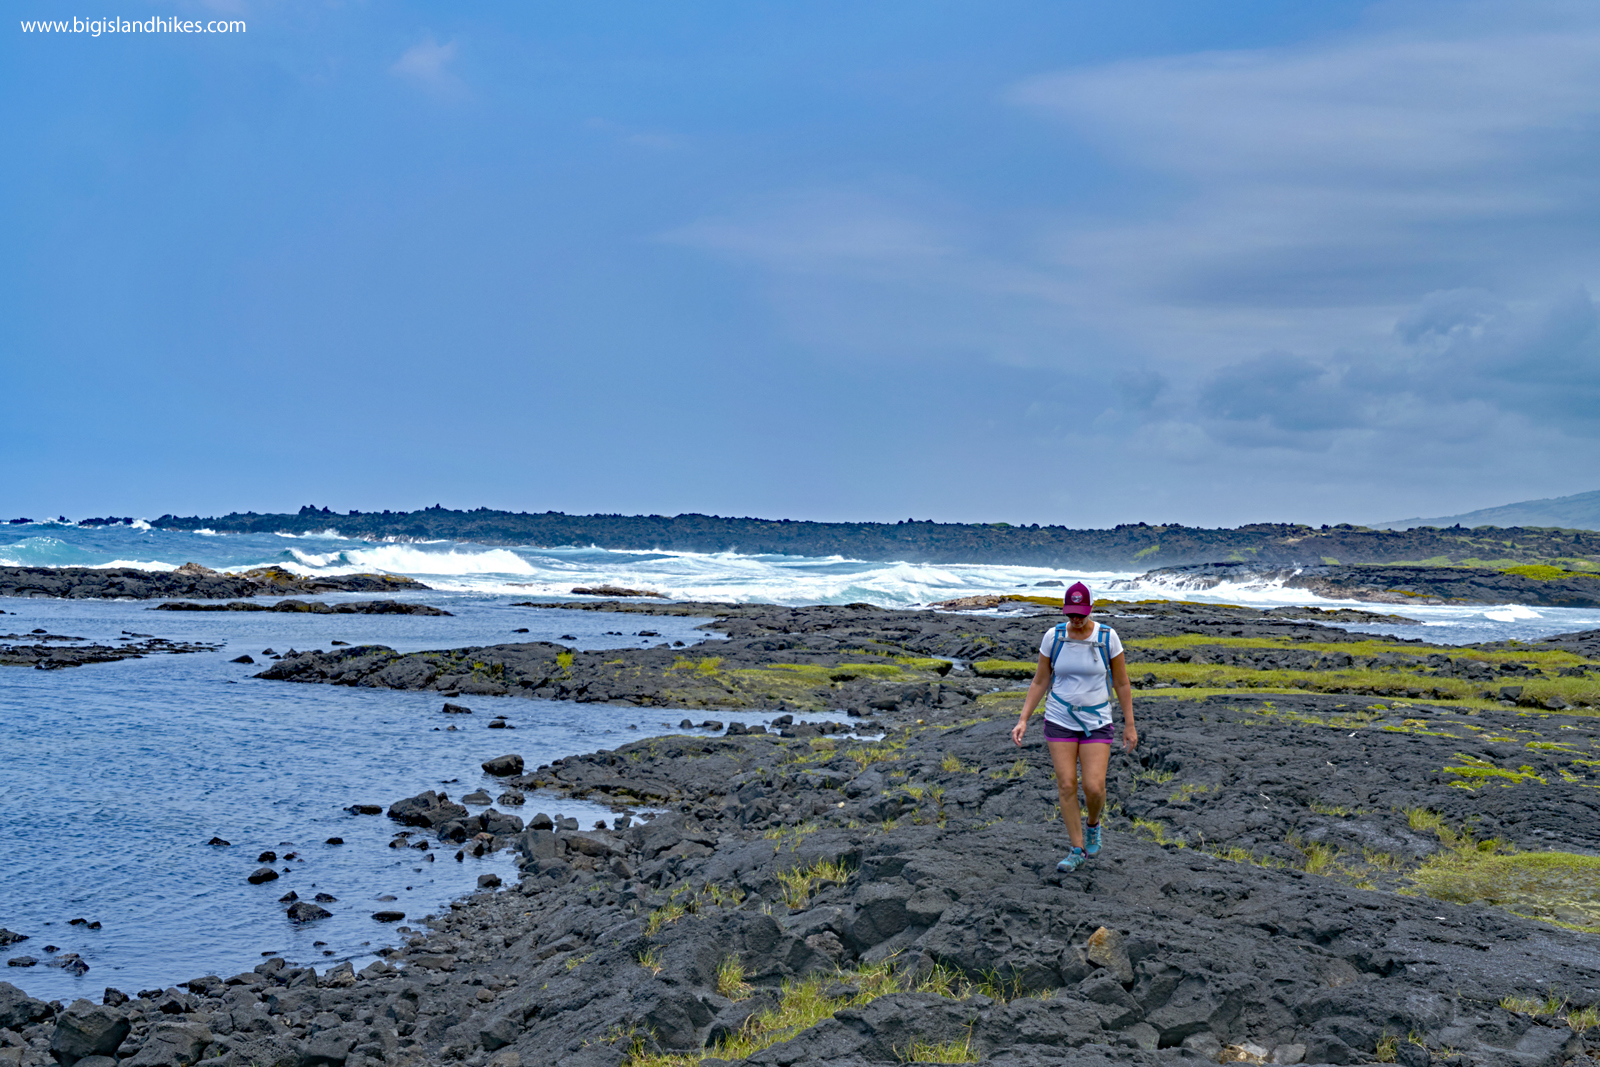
(1578, 512)
(1138, 547)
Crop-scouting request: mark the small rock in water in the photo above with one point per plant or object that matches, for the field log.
(217, 842)
(113, 997)
(346, 643)
(388, 897)
(326, 898)
(267, 857)
(503, 766)
(246, 658)
(457, 709)
(365, 809)
(11, 937)
(21, 961)
(512, 797)
(262, 874)
(685, 725)
(77, 922)
(289, 898)
(488, 881)
(541, 821)
(388, 916)
(303, 912)
(268, 652)
(522, 630)
(334, 841)
(477, 797)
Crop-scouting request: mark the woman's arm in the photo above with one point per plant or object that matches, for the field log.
(1124, 688)
(1036, 693)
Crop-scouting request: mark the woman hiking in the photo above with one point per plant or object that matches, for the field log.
(1080, 662)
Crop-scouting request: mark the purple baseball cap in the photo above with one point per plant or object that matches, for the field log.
(1077, 600)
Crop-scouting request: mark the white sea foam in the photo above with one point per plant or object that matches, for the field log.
(137, 564)
(1512, 613)
(141, 524)
(330, 532)
(412, 560)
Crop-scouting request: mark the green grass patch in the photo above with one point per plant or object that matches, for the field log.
(1475, 773)
(800, 883)
(730, 979)
(951, 1051)
(1541, 572)
(1562, 888)
(1005, 668)
(1531, 657)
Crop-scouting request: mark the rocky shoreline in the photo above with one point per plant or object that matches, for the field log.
(882, 897)
(868, 660)
(47, 652)
(1289, 876)
(314, 607)
(1546, 586)
(1121, 548)
(189, 580)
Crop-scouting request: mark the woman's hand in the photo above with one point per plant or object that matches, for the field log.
(1017, 731)
(1130, 736)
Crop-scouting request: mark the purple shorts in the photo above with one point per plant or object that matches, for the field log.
(1101, 735)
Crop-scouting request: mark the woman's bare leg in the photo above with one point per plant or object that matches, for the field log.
(1064, 756)
(1095, 759)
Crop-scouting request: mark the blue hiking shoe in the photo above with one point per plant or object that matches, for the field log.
(1091, 840)
(1072, 861)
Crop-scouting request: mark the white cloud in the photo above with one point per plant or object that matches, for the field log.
(427, 63)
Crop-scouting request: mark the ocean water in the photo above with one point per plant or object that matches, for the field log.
(117, 774)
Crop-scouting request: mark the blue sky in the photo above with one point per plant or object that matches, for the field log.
(1035, 261)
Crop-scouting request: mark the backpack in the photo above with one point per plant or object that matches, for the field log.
(1102, 642)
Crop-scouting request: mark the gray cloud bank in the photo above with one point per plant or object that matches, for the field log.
(1357, 271)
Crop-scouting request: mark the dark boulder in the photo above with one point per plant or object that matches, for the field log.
(18, 1010)
(427, 809)
(87, 1029)
(262, 874)
(503, 766)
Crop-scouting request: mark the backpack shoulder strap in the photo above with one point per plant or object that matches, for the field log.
(1104, 644)
(1061, 639)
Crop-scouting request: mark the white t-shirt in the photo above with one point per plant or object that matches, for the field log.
(1080, 679)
